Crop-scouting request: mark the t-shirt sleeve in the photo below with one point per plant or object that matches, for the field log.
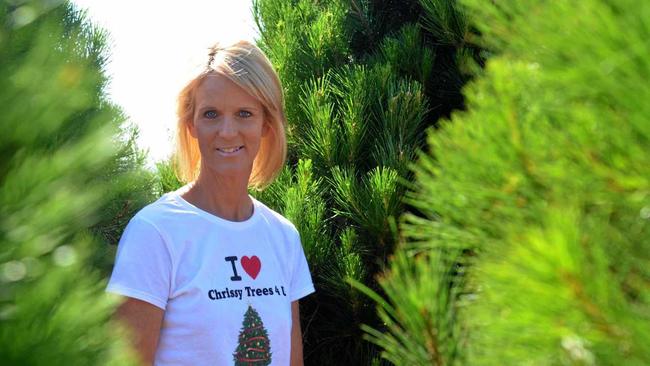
(143, 264)
(301, 283)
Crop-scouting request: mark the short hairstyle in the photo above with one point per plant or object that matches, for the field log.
(246, 65)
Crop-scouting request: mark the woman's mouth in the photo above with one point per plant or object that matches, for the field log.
(229, 150)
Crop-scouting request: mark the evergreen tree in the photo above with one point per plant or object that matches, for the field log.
(363, 80)
(58, 136)
(167, 180)
(129, 186)
(534, 248)
(254, 346)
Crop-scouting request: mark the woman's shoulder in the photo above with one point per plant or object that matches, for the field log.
(274, 218)
(167, 206)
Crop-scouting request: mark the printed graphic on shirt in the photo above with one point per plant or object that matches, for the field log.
(252, 266)
(254, 346)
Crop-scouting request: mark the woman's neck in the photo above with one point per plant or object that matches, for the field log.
(226, 198)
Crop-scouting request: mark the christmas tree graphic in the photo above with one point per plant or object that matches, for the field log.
(254, 345)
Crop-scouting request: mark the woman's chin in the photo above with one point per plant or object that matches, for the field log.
(229, 171)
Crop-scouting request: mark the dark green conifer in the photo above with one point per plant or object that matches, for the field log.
(363, 80)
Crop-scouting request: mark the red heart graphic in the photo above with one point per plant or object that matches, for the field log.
(251, 265)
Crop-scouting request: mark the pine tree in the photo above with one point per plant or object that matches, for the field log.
(167, 180)
(129, 186)
(57, 137)
(363, 80)
(254, 346)
(534, 246)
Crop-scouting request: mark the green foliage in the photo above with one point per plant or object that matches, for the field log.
(304, 39)
(167, 179)
(128, 186)
(407, 55)
(422, 327)
(58, 137)
(368, 203)
(362, 118)
(443, 19)
(363, 80)
(535, 202)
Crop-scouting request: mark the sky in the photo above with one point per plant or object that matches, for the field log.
(158, 46)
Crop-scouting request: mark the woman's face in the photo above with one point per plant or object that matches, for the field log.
(229, 125)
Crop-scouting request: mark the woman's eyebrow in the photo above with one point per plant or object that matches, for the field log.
(250, 107)
(210, 106)
(206, 106)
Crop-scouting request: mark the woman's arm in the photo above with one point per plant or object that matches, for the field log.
(144, 320)
(296, 336)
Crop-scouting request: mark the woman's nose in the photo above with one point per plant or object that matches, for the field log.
(227, 127)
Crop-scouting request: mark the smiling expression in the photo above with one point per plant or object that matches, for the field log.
(228, 124)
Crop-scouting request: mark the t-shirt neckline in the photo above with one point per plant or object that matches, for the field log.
(214, 218)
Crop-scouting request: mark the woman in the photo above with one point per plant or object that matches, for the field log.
(212, 276)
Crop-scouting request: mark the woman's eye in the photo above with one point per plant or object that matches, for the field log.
(245, 114)
(210, 114)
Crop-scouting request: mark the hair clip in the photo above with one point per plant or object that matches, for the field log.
(212, 53)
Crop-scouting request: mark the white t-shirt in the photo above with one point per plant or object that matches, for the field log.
(226, 287)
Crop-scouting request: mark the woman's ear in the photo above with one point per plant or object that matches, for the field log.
(190, 127)
(266, 127)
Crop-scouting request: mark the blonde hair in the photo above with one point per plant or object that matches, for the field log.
(246, 65)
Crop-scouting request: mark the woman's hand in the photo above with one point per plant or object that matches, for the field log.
(296, 336)
(144, 321)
